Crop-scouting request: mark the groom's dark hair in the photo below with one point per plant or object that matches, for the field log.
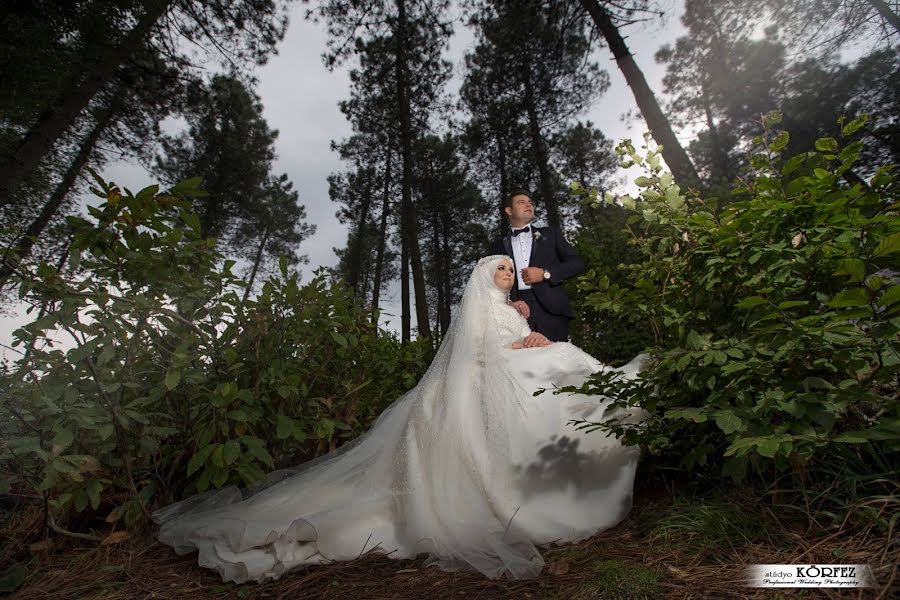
(507, 202)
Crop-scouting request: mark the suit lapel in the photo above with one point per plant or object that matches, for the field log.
(534, 243)
(507, 243)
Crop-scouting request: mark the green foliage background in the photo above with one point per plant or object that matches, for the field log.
(174, 385)
(774, 318)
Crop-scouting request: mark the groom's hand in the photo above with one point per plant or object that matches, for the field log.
(535, 339)
(532, 275)
(522, 307)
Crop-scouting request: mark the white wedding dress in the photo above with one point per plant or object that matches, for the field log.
(469, 467)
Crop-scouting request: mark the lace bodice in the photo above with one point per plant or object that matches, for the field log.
(512, 326)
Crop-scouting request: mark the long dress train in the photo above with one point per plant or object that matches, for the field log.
(469, 467)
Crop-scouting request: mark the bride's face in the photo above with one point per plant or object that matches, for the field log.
(503, 276)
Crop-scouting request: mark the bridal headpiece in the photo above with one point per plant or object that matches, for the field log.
(484, 273)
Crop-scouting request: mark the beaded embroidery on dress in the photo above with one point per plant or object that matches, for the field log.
(468, 467)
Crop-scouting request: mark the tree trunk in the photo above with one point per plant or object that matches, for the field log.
(22, 161)
(673, 153)
(851, 177)
(382, 232)
(504, 182)
(408, 215)
(256, 261)
(364, 286)
(886, 13)
(540, 155)
(445, 256)
(438, 269)
(720, 158)
(405, 316)
(356, 258)
(501, 165)
(26, 242)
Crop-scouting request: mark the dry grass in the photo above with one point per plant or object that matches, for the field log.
(667, 548)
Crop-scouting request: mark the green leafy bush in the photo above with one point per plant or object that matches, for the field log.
(775, 319)
(170, 383)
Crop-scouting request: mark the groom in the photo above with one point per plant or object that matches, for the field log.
(543, 261)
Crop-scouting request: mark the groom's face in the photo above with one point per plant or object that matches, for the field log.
(521, 209)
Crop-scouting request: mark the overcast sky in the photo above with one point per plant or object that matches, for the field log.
(300, 98)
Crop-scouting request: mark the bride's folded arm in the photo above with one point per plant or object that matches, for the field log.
(520, 343)
(531, 340)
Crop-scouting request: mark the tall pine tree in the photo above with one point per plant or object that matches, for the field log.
(528, 75)
(399, 43)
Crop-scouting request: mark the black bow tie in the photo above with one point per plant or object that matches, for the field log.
(516, 232)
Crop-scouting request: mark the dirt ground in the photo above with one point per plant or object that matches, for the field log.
(666, 548)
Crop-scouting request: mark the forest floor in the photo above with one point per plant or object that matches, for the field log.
(674, 544)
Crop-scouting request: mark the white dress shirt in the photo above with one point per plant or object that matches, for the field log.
(521, 247)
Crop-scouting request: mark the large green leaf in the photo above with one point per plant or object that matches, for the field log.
(93, 489)
(826, 144)
(62, 440)
(751, 301)
(695, 341)
(258, 450)
(173, 377)
(888, 245)
(891, 296)
(850, 297)
(231, 452)
(728, 422)
(854, 267)
(199, 459)
(284, 427)
(767, 446)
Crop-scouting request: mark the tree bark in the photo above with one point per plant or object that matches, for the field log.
(438, 270)
(408, 215)
(673, 153)
(382, 232)
(22, 161)
(445, 256)
(405, 316)
(26, 242)
(886, 13)
(540, 155)
(256, 261)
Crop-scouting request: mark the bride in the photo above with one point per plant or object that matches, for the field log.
(469, 466)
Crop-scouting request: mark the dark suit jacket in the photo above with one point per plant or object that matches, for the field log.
(550, 252)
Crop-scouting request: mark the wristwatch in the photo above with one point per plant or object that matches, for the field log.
(546, 275)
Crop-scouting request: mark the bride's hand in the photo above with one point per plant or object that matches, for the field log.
(535, 339)
(522, 307)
